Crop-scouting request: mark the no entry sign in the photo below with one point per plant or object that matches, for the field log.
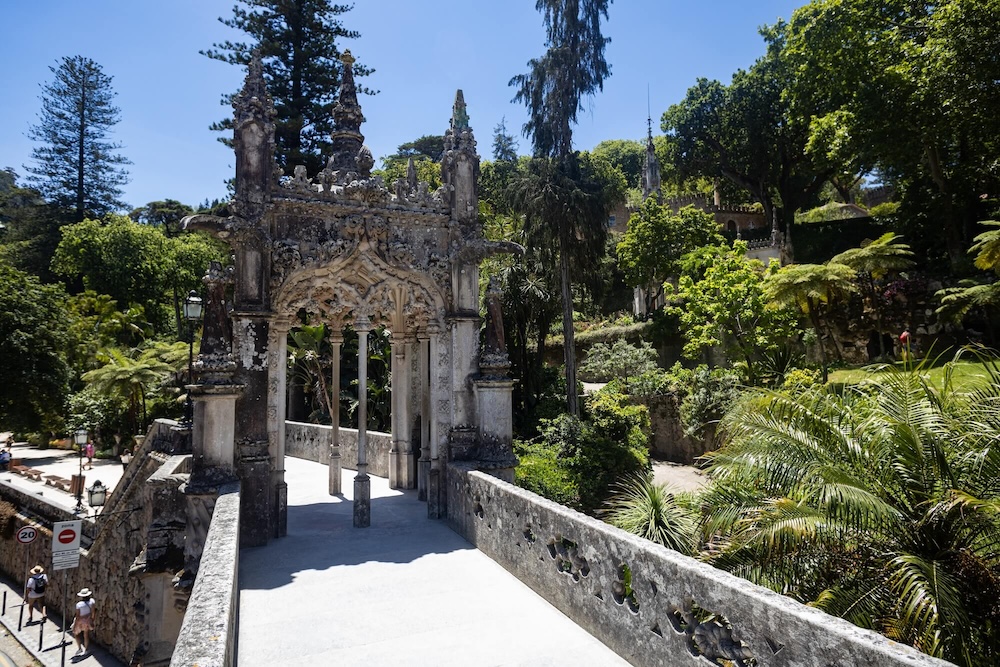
(66, 544)
(27, 534)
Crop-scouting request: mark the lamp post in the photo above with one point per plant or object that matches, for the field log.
(80, 438)
(192, 313)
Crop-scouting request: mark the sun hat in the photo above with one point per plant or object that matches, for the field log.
(38, 569)
(84, 593)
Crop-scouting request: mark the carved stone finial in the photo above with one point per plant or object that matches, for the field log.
(651, 168)
(411, 174)
(215, 363)
(459, 114)
(494, 361)
(346, 136)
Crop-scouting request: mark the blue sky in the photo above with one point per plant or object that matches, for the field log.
(421, 50)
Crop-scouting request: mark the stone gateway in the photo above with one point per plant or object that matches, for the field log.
(349, 250)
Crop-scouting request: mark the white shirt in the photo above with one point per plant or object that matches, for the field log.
(85, 606)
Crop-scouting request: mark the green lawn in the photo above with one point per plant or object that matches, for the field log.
(965, 373)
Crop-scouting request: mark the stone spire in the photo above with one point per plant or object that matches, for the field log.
(460, 165)
(253, 141)
(459, 114)
(346, 136)
(651, 169)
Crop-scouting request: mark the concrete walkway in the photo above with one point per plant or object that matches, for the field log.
(65, 464)
(406, 591)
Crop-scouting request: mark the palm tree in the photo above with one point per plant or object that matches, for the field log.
(956, 302)
(649, 510)
(809, 287)
(131, 377)
(880, 505)
(873, 262)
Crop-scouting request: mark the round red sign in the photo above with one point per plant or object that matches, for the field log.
(26, 535)
(66, 535)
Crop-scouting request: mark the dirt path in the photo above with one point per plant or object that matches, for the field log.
(679, 477)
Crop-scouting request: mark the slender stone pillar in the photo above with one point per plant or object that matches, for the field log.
(435, 491)
(395, 423)
(277, 409)
(335, 483)
(424, 464)
(362, 485)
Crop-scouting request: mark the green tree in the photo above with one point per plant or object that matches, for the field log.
(32, 351)
(563, 197)
(76, 165)
(872, 262)
(656, 239)
(300, 46)
(134, 264)
(166, 214)
(957, 302)
(30, 228)
(728, 307)
(504, 145)
(878, 504)
(132, 376)
(911, 87)
(745, 133)
(810, 288)
(621, 359)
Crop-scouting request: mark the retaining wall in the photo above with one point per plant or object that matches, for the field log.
(651, 605)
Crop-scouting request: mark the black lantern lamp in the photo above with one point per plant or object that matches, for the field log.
(192, 313)
(97, 494)
(80, 438)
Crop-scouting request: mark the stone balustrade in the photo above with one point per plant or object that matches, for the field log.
(312, 443)
(651, 605)
(208, 634)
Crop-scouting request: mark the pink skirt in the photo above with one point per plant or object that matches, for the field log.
(82, 623)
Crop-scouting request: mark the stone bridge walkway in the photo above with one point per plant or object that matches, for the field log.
(406, 591)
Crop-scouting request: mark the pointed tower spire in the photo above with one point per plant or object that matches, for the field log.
(253, 141)
(346, 136)
(651, 169)
(459, 114)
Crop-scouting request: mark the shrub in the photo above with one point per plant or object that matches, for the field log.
(710, 394)
(800, 379)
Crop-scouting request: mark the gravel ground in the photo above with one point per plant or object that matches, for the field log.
(679, 477)
(17, 653)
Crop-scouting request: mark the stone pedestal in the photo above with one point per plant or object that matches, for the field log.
(494, 395)
(254, 470)
(362, 501)
(436, 502)
(335, 468)
(213, 434)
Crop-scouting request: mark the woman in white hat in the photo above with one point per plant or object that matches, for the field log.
(83, 622)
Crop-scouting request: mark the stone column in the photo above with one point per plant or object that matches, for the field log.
(213, 435)
(362, 485)
(402, 465)
(435, 475)
(336, 340)
(277, 403)
(424, 464)
(395, 423)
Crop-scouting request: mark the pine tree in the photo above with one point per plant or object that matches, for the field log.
(298, 42)
(76, 165)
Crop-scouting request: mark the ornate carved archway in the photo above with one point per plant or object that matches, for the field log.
(350, 249)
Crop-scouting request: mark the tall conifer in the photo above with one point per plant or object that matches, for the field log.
(75, 163)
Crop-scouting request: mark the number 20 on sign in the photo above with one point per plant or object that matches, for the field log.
(27, 534)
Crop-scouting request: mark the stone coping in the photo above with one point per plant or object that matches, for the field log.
(208, 634)
(651, 605)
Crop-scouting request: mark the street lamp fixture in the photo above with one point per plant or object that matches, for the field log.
(97, 494)
(80, 438)
(192, 313)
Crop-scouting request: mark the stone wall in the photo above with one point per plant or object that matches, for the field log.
(110, 544)
(667, 438)
(208, 635)
(649, 604)
(312, 443)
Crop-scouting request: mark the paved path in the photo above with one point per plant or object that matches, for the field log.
(678, 477)
(406, 591)
(64, 463)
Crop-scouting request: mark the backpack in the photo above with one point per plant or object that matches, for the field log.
(40, 583)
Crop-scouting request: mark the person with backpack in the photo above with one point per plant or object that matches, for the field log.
(34, 592)
(83, 621)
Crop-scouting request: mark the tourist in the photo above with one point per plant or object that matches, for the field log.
(904, 345)
(4, 459)
(126, 458)
(83, 621)
(34, 592)
(88, 451)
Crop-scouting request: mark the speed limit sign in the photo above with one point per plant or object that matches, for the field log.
(27, 534)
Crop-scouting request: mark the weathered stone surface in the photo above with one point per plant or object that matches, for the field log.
(208, 634)
(581, 566)
(311, 442)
